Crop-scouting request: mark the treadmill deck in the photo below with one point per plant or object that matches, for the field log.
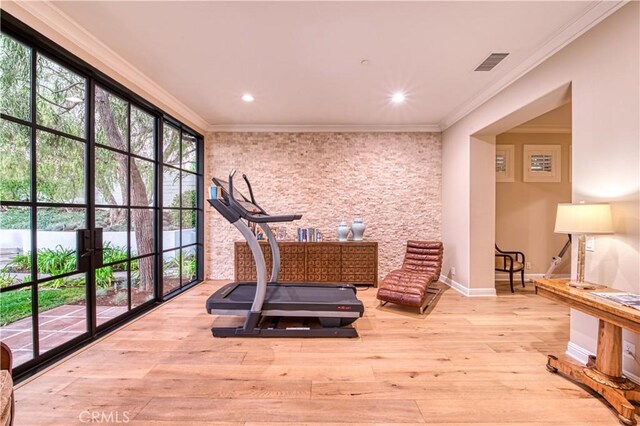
(289, 299)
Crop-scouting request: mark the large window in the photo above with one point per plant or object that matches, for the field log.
(82, 157)
(180, 207)
(43, 201)
(124, 196)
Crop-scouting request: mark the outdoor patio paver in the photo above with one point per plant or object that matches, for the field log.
(64, 310)
(56, 326)
(19, 325)
(20, 356)
(59, 323)
(18, 340)
(50, 340)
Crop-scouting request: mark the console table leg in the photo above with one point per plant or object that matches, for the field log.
(616, 393)
(609, 351)
(627, 421)
(617, 399)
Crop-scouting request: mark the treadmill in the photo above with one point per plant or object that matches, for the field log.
(266, 305)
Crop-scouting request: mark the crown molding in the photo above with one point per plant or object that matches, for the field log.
(98, 54)
(309, 128)
(92, 50)
(541, 129)
(596, 13)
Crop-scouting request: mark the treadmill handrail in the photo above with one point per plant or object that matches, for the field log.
(263, 216)
(253, 200)
(234, 211)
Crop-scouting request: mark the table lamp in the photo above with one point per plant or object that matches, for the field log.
(583, 219)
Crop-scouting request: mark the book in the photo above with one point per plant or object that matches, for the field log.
(215, 193)
(626, 299)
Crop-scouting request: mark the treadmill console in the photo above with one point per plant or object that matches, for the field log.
(239, 197)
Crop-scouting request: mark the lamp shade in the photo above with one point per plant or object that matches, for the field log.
(594, 218)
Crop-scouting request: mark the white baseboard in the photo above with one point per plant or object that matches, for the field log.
(578, 353)
(581, 355)
(468, 292)
(528, 277)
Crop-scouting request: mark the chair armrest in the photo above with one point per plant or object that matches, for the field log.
(518, 254)
(515, 253)
(6, 358)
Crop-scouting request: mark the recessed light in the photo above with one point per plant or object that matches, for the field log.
(398, 98)
(247, 97)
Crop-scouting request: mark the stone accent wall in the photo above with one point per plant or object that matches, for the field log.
(392, 180)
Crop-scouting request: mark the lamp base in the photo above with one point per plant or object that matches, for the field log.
(584, 285)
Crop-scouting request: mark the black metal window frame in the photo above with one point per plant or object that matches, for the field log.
(198, 210)
(40, 44)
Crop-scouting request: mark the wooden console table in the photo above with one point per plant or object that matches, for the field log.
(603, 373)
(331, 262)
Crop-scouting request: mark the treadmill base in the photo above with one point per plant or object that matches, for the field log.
(285, 332)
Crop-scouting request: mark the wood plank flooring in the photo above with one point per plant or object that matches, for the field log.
(474, 361)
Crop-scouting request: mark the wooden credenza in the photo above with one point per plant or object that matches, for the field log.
(348, 262)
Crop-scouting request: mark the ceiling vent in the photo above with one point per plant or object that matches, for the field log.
(491, 61)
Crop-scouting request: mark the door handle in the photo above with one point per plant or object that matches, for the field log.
(98, 248)
(88, 246)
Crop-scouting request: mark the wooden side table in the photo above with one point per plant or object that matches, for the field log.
(603, 373)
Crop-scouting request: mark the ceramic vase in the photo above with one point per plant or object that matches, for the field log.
(357, 228)
(343, 231)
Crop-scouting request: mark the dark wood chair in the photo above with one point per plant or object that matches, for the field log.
(410, 285)
(510, 262)
(7, 400)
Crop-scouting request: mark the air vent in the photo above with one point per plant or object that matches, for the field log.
(491, 61)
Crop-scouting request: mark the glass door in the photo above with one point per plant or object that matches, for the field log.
(124, 198)
(44, 199)
(88, 229)
(74, 158)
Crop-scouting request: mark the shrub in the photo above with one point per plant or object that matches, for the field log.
(189, 266)
(5, 278)
(188, 263)
(188, 216)
(14, 189)
(49, 219)
(104, 277)
(20, 263)
(60, 261)
(56, 261)
(15, 218)
(113, 254)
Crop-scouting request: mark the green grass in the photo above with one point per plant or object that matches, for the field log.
(15, 305)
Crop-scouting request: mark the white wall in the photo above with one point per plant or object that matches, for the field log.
(603, 69)
(526, 211)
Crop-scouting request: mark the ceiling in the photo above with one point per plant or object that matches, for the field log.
(302, 60)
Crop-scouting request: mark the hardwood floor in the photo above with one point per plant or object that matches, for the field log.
(470, 360)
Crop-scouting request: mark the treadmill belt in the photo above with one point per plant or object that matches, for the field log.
(300, 294)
